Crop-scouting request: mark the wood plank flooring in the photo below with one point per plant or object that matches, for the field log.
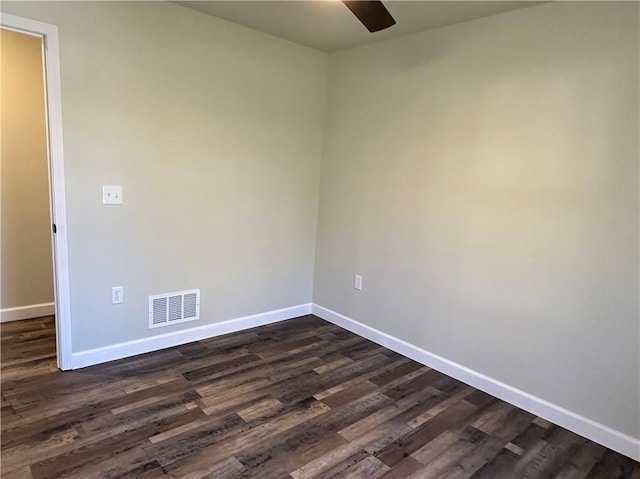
(298, 399)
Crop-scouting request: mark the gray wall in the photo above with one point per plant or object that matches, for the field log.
(215, 132)
(483, 178)
(26, 265)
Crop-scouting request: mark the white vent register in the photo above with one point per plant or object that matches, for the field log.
(174, 308)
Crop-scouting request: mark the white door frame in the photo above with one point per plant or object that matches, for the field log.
(51, 59)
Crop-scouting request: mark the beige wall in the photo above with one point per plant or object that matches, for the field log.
(26, 264)
(215, 132)
(483, 178)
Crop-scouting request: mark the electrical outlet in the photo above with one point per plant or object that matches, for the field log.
(357, 282)
(117, 294)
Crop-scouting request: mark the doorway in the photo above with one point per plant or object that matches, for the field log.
(35, 263)
(27, 257)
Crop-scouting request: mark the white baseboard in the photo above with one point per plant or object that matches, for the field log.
(90, 357)
(27, 312)
(608, 437)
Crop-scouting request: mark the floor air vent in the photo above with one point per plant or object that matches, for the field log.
(174, 308)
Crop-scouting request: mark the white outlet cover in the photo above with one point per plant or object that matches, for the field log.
(112, 195)
(117, 294)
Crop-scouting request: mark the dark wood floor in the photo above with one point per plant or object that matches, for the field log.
(299, 399)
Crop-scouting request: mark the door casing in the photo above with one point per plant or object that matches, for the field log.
(53, 105)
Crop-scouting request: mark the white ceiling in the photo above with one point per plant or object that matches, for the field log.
(329, 26)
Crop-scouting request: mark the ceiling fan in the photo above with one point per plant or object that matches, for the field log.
(371, 13)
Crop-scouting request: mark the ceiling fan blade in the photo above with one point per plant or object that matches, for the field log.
(372, 13)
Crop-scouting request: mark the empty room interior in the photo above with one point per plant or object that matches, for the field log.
(271, 243)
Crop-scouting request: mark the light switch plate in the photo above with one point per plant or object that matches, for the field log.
(112, 195)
